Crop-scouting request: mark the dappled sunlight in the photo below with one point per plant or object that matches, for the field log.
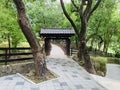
(57, 52)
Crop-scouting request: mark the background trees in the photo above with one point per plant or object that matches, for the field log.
(9, 29)
(105, 23)
(44, 15)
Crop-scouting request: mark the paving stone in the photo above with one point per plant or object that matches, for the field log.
(26, 88)
(55, 81)
(75, 72)
(50, 88)
(55, 64)
(79, 86)
(64, 70)
(53, 67)
(66, 88)
(18, 87)
(87, 78)
(35, 88)
(74, 76)
(9, 78)
(63, 84)
(95, 89)
(63, 65)
(20, 83)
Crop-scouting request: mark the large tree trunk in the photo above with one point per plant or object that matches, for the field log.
(105, 48)
(27, 31)
(83, 49)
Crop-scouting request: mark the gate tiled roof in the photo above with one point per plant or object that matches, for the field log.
(55, 32)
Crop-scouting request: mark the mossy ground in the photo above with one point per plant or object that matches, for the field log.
(38, 79)
(99, 63)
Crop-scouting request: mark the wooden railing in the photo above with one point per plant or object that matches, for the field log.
(74, 51)
(7, 53)
(94, 51)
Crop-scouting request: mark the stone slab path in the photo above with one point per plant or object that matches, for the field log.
(110, 84)
(71, 77)
(113, 71)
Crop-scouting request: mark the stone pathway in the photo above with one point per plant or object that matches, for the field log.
(113, 71)
(71, 77)
(110, 84)
(57, 52)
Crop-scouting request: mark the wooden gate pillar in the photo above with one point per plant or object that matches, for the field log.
(47, 46)
(68, 47)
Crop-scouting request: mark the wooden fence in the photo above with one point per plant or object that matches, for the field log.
(94, 51)
(74, 51)
(7, 53)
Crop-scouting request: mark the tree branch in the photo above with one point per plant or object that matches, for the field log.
(95, 34)
(94, 8)
(68, 17)
(75, 5)
(81, 10)
(88, 9)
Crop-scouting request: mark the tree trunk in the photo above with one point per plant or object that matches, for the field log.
(85, 10)
(105, 48)
(83, 49)
(27, 31)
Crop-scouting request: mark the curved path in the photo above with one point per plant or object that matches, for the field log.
(71, 77)
(57, 52)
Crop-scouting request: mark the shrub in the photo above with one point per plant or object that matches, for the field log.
(113, 60)
(117, 54)
(99, 64)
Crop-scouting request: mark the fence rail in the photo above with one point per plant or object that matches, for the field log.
(74, 51)
(7, 53)
(94, 51)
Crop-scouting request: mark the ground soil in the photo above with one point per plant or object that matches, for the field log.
(38, 79)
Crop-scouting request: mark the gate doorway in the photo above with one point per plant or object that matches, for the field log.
(58, 36)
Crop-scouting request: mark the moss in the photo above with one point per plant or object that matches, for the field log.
(99, 64)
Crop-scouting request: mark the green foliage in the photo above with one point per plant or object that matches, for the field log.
(74, 15)
(9, 25)
(4, 44)
(44, 15)
(113, 60)
(105, 22)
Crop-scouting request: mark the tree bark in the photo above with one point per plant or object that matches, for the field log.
(39, 62)
(83, 52)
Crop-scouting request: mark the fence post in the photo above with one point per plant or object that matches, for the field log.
(6, 57)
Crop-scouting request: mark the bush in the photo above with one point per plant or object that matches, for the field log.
(100, 65)
(113, 60)
(117, 54)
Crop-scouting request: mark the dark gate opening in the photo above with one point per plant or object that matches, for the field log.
(61, 34)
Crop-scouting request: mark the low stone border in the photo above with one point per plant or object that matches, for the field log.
(25, 78)
(16, 68)
(28, 80)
